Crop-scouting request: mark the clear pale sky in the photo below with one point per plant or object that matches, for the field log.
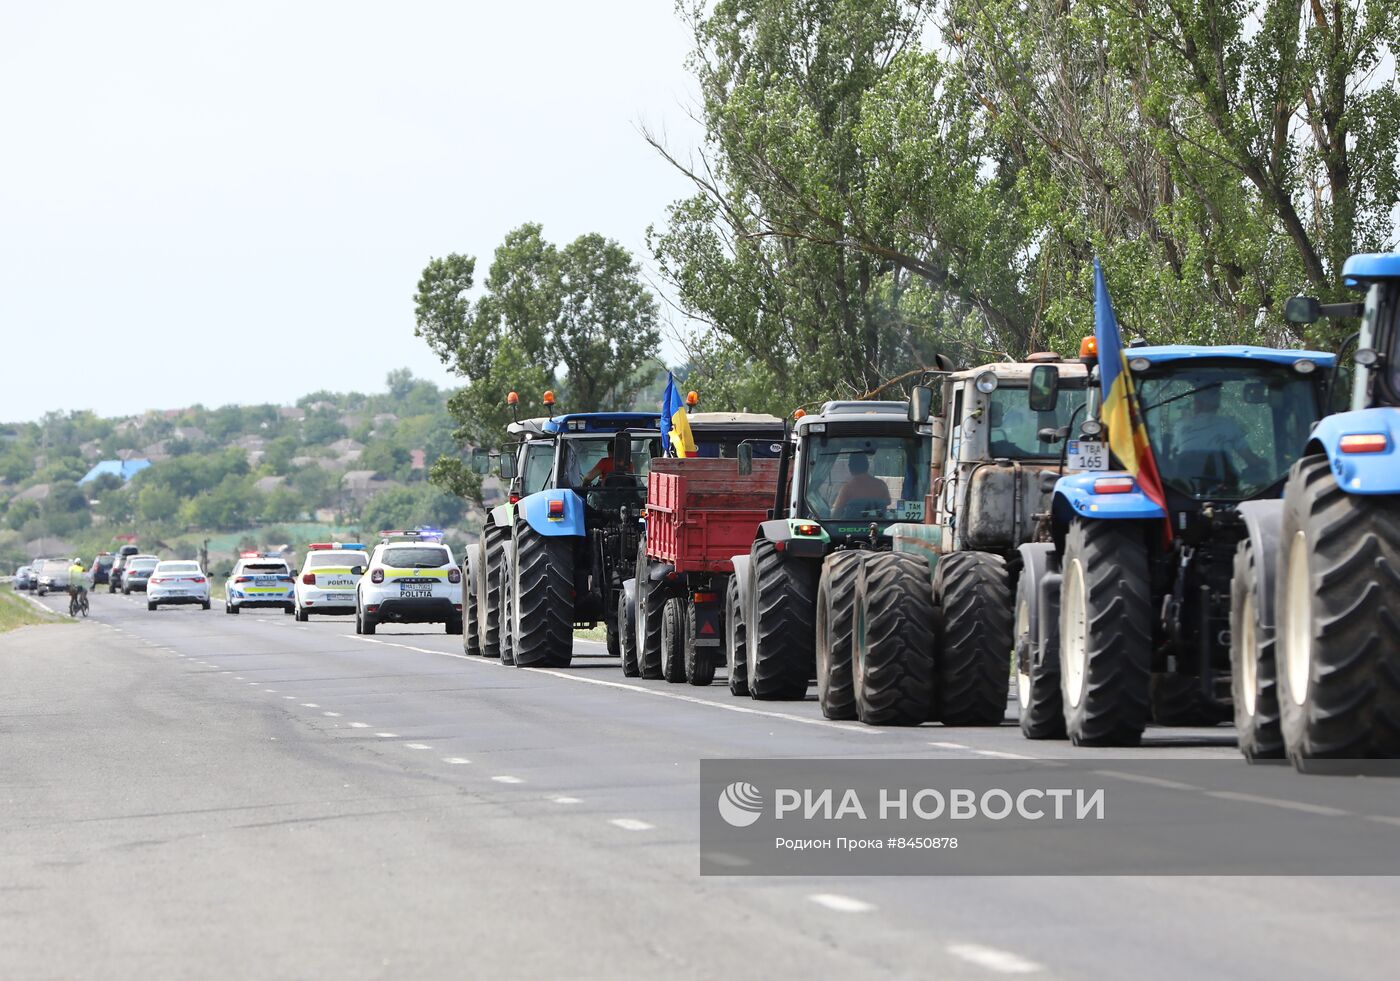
(232, 202)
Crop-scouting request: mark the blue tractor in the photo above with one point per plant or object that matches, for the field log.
(1319, 582)
(574, 541)
(1120, 621)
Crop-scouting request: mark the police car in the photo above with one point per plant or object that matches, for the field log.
(412, 578)
(328, 578)
(259, 579)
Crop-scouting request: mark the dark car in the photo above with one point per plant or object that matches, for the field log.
(100, 567)
(24, 578)
(137, 573)
(114, 575)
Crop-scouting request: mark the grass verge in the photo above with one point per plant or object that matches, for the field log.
(17, 612)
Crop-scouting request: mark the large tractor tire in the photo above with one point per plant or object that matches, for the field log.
(673, 640)
(1338, 639)
(1038, 661)
(627, 628)
(781, 644)
(1253, 679)
(975, 621)
(699, 661)
(736, 640)
(471, 633)
(651, 603)
(492, 613)
(542, 591)
(1105, 633)
(836, 611)
(508, 612)
(893, 641)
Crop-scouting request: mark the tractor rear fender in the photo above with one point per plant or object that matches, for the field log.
(741, 574)
(1263, 522)
(658, 571)
(784, 533)
(1074, 497)
(502, 516)
(629, 592)
(1370, 472)
(551, 519)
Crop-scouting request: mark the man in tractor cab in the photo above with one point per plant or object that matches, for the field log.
(1211, 431)
(606, 467)
(870, 493)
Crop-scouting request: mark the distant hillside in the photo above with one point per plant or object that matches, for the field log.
(332, 459)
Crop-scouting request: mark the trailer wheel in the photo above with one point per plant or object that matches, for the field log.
(735, 653)
(542, 590)
(836, 610)
(1105, 633)
(627, 629)
(610, 633)
(471, 635)
(893, 641)
(651, 601)
(974, 638)
(1253, 679)
(1338, 615)
(781, 640)
(491, 614)
(1038, 665)
(699, 661)
(673, 641)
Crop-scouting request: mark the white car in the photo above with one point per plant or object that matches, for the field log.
(412, 578)
(177, 581)
(328, 579)
(259, 580)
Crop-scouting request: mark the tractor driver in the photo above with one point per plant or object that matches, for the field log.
(1209, 429)
(607, 465)
(861, 488)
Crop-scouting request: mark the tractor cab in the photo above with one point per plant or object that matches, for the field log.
(604, 457)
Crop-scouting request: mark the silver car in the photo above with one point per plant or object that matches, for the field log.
(53, 576)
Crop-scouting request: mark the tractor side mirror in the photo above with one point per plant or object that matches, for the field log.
(481, 462)
(1044, 391)
(920, 404)
(1051, 434)
(507, 466)
(745, 455)
(1302, 310)
(358, 570)
(622, 451)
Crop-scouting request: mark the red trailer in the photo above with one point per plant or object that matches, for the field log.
(700, 513)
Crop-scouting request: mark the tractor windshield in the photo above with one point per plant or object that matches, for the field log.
(875, 478)
(1014, 430)
(587, 462)
(538, 464)
(1226, 431)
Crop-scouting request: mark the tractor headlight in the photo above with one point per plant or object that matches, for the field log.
(1304, 367)
(986, 382)
(1091, 427)
(1139, 364)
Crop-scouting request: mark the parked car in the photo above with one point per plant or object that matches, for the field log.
(24, 577)
(138, 573)
(100, 567)
(176, 581)
(114, 575)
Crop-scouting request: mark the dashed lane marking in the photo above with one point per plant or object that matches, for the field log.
(332, 715)
(566, 800)
(455, 760)
(359, 725)
(387, 735)
(993, 959)
(418, 746)
(507, 779)
(631, 824)
(839, 903)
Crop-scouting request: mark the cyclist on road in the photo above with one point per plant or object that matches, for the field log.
(77, 586)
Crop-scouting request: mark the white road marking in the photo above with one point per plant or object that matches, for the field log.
(387, 735)
(507, 779)
(238, 678)
(455, 760)
(566, 800)
(359, 725)
(839, 903)
(631, 824)
(950, 745)
(333, 715)
(998, 754)
(724, 706)
(1383, 819)
(1151, 781)
(272, 691)
(1000, 961)
(1288, 805)
(418, 746)
(309, 705)
(290, 698)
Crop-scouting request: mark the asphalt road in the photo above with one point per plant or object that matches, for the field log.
(185, 794)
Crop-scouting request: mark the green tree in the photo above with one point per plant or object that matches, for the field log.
(407, 507)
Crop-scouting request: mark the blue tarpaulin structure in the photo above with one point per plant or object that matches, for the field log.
(125, 469)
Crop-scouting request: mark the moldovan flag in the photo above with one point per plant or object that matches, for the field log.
(1121, 411)
(675, 424)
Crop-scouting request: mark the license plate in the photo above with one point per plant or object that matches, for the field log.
(416, 592)
(1087, 454)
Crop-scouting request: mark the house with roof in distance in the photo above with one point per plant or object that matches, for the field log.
(124, 469)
